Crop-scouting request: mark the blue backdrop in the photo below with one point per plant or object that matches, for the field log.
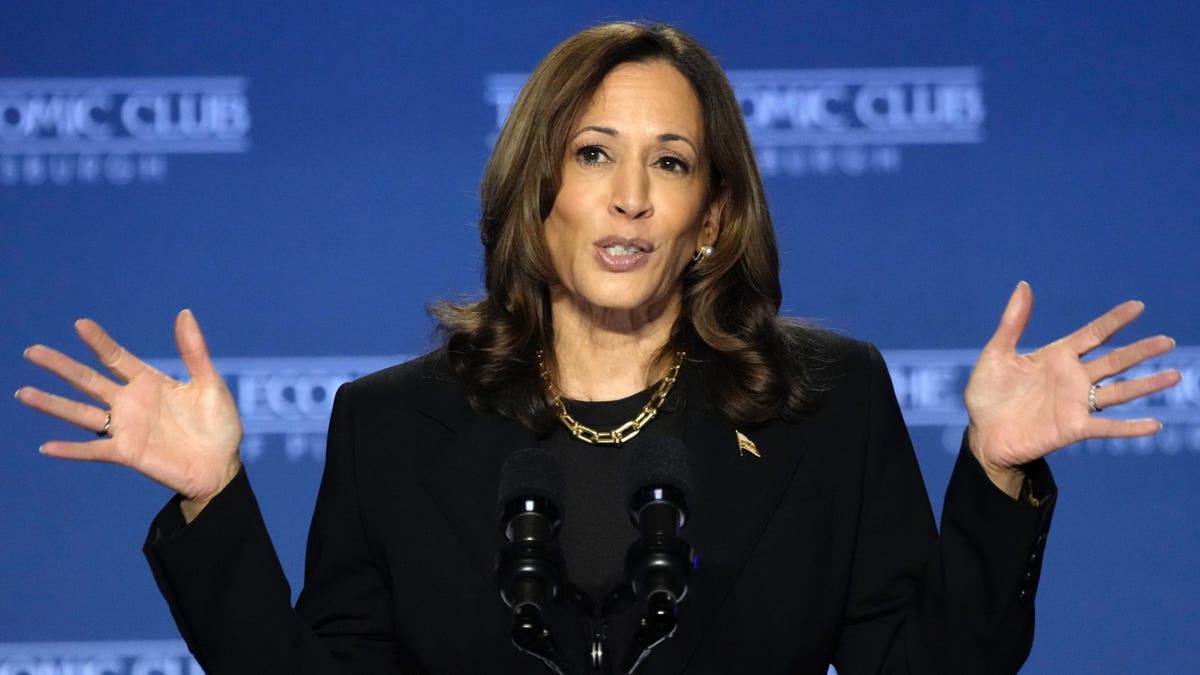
(305, 178)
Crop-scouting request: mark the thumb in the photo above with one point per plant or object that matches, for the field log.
(192, 348)
(1015, 318)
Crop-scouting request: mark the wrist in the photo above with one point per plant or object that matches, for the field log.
(1009, 479)
(191, 507)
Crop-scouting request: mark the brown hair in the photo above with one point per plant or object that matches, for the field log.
(730, 301)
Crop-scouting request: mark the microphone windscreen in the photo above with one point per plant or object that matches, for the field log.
(531, 472)
(660, 460)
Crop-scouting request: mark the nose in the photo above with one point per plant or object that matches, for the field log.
(631, 191)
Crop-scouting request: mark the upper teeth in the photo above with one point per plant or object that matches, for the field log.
(618, 249)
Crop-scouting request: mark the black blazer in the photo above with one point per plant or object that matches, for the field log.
(823, 550)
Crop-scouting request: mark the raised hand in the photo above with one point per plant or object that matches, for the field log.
(1025, 406)
(183, 435)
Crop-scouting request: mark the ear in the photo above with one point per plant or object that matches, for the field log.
(710, 231)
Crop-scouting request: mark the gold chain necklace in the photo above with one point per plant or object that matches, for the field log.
(622, 433)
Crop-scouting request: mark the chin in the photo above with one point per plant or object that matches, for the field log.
(622, 297)
(616, 302)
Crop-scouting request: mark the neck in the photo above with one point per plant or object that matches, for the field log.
(604, 354)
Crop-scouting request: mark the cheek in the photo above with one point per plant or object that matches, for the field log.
(687, 238)
(552, 232)
(561, 234)
(680, 257)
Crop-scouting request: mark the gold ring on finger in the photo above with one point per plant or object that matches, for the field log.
(107, 423)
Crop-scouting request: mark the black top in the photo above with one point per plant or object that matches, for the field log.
(596, 530)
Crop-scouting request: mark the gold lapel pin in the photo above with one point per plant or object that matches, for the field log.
(746, 445)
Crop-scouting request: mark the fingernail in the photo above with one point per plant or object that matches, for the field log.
(42, 449)
(17, 394)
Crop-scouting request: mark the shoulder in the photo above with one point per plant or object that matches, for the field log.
(832, 357)
(423, 384)
(403, 377)
(840, 372)
(855, 404)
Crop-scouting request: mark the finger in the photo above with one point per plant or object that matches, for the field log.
(112, 355)
(1015, 318)
(1102, 427)
(1120, 360)
(192, 348)
(83, 378)
(1100, 329)
(80, 414)
(101, 450)
(1122, 392)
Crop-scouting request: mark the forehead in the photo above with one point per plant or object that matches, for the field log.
(651, 97)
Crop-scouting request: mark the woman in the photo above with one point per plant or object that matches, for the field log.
(631, 276)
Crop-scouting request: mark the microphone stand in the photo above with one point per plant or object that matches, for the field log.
(529, 572)
(599, 661)
(657, 566)
(657, 624)
(531, 636)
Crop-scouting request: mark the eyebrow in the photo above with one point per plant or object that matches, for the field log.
(609, 131)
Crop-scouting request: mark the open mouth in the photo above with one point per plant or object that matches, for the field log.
(620, 250)
(618, 254)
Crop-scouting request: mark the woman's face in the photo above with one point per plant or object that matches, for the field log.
(633, 204)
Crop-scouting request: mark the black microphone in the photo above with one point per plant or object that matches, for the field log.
(529, 568)
(659, 564)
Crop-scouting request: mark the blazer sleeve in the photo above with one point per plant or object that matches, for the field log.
(922, 602)
(232, 603)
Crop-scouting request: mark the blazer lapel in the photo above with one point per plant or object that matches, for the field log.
(462, 476)
(736, 495)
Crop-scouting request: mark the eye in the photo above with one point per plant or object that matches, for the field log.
(673, 164)
(591, 155)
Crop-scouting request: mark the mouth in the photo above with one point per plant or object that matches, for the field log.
(621, 251)
(619, 254)
(620, 247)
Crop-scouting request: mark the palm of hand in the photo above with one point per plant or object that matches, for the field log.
(183, 435)
(1023, 407)
(1040, 397)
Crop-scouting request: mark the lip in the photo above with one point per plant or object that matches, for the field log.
(622, 263)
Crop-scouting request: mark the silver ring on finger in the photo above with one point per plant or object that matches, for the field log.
(107, 423)
(1092, 400)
